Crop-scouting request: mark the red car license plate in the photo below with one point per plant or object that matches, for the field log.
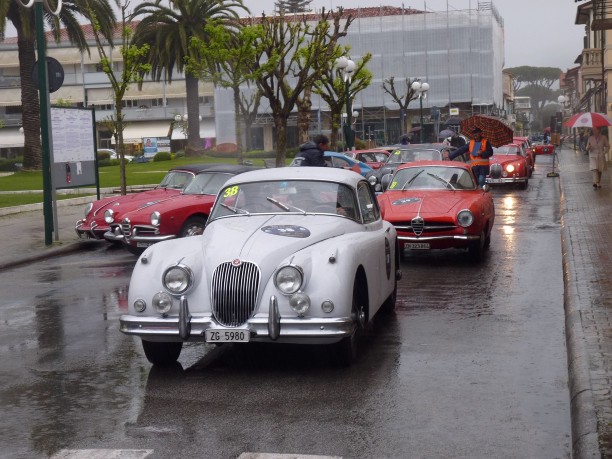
(416, 245)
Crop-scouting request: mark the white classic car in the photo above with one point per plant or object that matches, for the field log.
(289, 255)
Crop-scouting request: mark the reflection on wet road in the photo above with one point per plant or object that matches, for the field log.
(472, 364)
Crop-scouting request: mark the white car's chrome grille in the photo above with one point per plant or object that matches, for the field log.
(417, 225)
(234, 292)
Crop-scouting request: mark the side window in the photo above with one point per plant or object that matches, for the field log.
(367, 203)
(340, 162)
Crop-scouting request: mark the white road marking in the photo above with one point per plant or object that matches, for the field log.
(102, 454)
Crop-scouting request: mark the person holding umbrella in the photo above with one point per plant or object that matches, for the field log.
(597, 146)
(480, 151)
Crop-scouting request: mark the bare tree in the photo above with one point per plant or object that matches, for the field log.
(402, 99)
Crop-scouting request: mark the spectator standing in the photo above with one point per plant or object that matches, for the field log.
(312, 151)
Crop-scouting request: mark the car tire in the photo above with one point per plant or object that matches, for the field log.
(524, 185)
(476, 248)
(134, 250)
(194, 226)
(162, 353)
(347, 350)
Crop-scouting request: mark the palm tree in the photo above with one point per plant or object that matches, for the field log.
(168, 30)
(23, 20)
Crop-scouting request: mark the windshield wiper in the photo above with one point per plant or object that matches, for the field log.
(236, 210)
(437, 177)
(283, 206)
(412, 179)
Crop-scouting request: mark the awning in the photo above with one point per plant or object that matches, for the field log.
(207, 131)
(134, 132)
(11, 138)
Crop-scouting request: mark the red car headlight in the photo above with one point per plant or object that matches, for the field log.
(510, 168)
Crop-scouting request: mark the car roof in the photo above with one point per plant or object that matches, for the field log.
(456, 164)
(328, 174)
(195, 168)
(229, 168)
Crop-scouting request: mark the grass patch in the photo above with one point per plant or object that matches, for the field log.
(20, 199)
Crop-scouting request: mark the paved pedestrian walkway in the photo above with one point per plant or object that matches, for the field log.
(586, 215)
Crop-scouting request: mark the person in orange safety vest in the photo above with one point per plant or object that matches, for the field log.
(480, 151)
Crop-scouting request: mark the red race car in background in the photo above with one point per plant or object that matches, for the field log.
(438, 205)
(543, 149)
(101, 214)
(373, 158)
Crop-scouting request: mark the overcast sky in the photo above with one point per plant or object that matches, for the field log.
(540, 33)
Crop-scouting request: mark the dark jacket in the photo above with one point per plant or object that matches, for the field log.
(311, 154)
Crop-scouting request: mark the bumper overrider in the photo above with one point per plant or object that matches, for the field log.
(261, 327)
(117, 234)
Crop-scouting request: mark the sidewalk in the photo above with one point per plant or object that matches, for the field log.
(586, 233)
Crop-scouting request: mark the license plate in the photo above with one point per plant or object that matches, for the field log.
(495, 180)
(143, 244)
(227, 336)
(417, 245)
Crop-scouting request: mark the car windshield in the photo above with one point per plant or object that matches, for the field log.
(207, 183)
(401, 156)
(507, 150)
(369, 157)
(296, 196)
(432, 177)
(176, 179)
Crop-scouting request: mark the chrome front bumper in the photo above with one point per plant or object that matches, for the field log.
(457, 237)
(92, 232)
(506, 180)
(262, 327)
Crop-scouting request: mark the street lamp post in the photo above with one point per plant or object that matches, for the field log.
(347, 67)
(421, 88)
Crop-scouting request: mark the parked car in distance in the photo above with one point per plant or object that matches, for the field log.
(438, 205)
(407, 154)
(100, 216)
(340, 161)
(508, 165)
(289, 255)
(373, 158)
(543, 149)
(527, 149)
(114, 155)
(181, 215)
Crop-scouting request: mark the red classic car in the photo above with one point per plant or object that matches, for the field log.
(528, 150)
(101, 214)
(509, 166)
(543, 149)
(373, 158)
(438, 205)
(182, 215)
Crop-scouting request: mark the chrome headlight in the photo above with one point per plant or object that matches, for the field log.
(162, 302)
(300, 303)
(288, 279)
(88, 208)
(510, 168)
(177, 279)
(372, 179)
(465, 218)
(109, 216)
(155, 218)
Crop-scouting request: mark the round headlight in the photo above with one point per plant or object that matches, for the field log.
(155, 218)
(300, 303)
(140, 305)
(288, 279)
(109, 216)
(372, 179)
(162, 302)
(510, 168)
(177, 279)
(465, 218)
(88, 208)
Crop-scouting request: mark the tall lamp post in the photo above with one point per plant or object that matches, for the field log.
(421, 88)
(347, 67)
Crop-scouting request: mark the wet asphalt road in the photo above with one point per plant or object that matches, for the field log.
(473, 363)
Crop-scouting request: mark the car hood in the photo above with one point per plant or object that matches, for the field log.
(266, 240)
(171, 203)
(133, 200)
(399, 203)
(503, 159)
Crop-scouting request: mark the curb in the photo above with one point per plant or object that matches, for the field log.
(50, 252)
(585, 437)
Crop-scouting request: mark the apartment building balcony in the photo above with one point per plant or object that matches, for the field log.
(153, 113)
(591, 64)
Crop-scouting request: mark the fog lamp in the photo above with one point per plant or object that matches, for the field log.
(300, 303)
(327, 306)
(162, 302)
(140, 305)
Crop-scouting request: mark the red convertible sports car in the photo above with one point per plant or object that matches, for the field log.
(509, 166)
(544, 149)
(373, 158)
(182, 215)
(438, 205)
(101, 214)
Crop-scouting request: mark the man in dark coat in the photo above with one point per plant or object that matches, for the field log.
(312, 151)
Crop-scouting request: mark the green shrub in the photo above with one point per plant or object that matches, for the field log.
(103, 155)
(11, 165)
(179, 154)
(162, 156)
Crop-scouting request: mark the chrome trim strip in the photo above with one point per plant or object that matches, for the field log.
(466, 237)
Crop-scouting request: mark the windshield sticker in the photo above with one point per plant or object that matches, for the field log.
(287, 230)
(230, 191)
(393, 185)
(404, 201)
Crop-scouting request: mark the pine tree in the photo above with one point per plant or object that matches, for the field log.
(292, 6)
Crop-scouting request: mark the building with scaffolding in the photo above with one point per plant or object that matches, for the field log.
(459, 53)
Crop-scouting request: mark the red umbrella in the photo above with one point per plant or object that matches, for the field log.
(588, 119)
(495, 130)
